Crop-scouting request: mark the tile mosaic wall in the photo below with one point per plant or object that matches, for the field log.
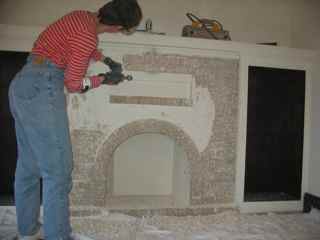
(212, 170)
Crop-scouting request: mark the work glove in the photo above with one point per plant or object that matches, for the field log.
(112, 78)
(113, 65)
(90, 82)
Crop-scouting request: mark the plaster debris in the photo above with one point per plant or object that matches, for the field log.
(228, 225)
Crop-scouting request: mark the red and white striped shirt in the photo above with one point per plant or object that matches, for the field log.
(70, 43)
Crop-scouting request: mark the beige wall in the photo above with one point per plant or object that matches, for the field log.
(292, 23)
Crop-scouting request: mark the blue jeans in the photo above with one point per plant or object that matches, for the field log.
(38, 105)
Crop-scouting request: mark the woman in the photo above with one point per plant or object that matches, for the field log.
(59, 58)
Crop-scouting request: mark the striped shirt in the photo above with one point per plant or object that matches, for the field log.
(70, 43)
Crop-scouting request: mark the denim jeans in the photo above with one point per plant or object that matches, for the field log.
(38, 105)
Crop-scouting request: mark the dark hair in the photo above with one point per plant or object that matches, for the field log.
(125, 13)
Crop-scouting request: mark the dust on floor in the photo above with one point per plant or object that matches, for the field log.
(229, 225)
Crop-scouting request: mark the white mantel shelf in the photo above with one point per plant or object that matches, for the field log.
(14, 37)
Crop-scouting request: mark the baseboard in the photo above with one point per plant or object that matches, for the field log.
(310, 201)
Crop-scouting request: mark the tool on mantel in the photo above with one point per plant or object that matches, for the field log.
(148, 28)
(205, 28)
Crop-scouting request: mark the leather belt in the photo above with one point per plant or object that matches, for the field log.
(38, 60)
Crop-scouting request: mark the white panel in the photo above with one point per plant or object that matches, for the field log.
(155, 85)
(143, 165)
(314, 179)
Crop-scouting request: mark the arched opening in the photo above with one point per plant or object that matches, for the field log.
(178, 192)
(150, 170)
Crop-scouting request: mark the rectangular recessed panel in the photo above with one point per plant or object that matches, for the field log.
(154, 88)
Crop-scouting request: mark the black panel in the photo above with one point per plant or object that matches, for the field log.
(275, 125)
(10, 64)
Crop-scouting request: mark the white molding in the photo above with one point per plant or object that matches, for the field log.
(262, 207)
(242, 129)
(284, 63)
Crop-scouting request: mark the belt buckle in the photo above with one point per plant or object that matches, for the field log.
(39, 60)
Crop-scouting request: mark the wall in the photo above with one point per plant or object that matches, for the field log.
(291, 23)
(21, 38)
(314, 180)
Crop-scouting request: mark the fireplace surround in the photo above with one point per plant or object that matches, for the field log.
(204, 125)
